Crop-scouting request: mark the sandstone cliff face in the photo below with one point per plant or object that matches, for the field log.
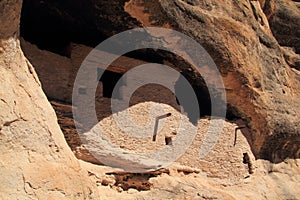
(284, 22)
(79, 21)
(259, 82)
(35, 160)
(261, 77)
(262, 85)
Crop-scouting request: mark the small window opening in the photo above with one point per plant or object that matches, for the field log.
(109, 81)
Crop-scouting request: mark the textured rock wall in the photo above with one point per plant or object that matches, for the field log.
(59, 23)
(36, 162)
(285, 23)
(260, 84)
(261, 77)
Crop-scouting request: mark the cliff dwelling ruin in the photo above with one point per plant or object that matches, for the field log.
(56, 47)
(154, 147)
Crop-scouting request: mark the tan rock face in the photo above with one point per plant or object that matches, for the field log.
(259, 83)
(35, 160)
(285, 22)
(261, 87)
